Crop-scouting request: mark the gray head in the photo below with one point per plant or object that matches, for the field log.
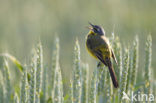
(97, 29)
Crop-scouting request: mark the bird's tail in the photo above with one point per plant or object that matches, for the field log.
(112, 74)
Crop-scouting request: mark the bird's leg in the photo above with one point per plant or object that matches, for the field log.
(100, 64)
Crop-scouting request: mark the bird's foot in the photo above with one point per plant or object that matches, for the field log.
(100, 64)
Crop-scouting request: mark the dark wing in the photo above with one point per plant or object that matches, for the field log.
(113, 56)
(108, 63)
(99, 55)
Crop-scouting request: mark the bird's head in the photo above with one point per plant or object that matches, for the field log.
(97, 29)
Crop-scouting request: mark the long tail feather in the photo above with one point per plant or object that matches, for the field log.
(108, 63)
(112, 74)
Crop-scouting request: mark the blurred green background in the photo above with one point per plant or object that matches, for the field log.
(24, 22)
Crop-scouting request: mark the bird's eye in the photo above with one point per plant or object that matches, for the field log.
(96, 29)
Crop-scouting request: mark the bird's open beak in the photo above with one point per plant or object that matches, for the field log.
(91, 24)
(88, 27)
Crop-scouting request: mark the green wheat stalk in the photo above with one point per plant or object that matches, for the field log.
(44, 86)
(14, 60)
(129, 72)
(32, 83)
(24, 84)
(7, 82)
(71, 100)
(77, 75)
(148, 59)
(16, 99)
(93, 87)
(39, 68)
(109, 90)
(135, 61)
(105, 85)
(54, 60)
(118, 53)
(57, 93)
(100, 79)
(124, 75)
(85, 80)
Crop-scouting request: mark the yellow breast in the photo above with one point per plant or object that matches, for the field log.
(98, 43)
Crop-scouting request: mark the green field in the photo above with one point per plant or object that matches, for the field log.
(28, 31)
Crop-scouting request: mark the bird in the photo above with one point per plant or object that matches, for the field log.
(98, 46)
